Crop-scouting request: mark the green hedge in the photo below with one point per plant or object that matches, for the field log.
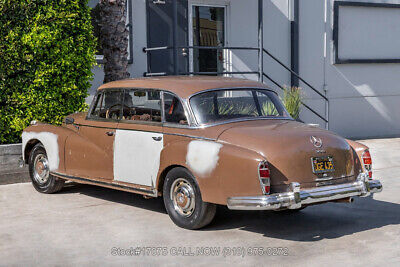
(46, 54)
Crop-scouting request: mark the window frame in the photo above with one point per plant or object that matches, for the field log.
(335, 35)
(185, 109)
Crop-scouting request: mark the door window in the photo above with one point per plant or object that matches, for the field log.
(107, 105)
(208, 30)
(173, 110)
(142, 105)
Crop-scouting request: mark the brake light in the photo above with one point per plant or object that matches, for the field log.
(367, 161)
(264, 176)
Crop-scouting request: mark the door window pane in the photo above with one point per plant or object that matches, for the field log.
(107, 105)
(208, 30)
(173, 110)
(142, 105)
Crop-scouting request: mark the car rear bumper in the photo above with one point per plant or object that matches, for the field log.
(295, 198)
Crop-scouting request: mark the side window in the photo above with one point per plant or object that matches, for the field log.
(142, 105)
(173, 110)
(268, 108)
(107, 105)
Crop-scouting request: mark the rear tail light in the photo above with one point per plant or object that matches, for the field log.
(264, 176)
(367, 162)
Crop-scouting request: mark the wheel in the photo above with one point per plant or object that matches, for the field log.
(39, 172)
(183, 202)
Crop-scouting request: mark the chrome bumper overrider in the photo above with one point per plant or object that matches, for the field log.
(295, 198)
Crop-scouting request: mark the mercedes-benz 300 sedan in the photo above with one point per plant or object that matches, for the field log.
(198, 142)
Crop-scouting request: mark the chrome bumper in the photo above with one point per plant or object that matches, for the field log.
(295, 198)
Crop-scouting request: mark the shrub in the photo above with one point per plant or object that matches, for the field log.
(46, 54)
(292, 98)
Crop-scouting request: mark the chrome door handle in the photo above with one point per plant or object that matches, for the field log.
(157, 138)
(111, 133)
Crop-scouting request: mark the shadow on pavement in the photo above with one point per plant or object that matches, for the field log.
(125, 198)
(326, 221)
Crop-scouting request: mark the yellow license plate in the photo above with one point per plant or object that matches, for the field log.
(322, 165)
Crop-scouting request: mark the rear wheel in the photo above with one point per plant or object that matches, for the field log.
(39, 171)
(183, 202)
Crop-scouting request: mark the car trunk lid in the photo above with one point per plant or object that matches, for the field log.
(289, 149)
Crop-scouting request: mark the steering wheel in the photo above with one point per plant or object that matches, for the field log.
(124, 106)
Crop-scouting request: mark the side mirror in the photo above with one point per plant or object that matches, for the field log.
(69, 120)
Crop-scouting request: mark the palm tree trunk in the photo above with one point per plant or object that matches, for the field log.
(114, 39)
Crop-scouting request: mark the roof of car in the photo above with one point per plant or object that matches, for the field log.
(184, 86)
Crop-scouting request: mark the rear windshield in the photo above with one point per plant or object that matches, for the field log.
(224, 105)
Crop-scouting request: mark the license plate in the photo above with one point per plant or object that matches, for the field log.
(322, 165)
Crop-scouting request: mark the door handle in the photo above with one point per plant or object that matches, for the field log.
(157, 138)
(111, 133)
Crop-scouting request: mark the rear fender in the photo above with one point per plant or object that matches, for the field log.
(221, 170)
(358, 150)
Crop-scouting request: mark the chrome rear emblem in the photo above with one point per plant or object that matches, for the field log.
(317, 142)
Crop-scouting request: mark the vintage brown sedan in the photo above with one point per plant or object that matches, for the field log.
(198, 142)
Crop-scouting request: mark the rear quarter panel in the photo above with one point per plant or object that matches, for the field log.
(358, 150)
(221, 170)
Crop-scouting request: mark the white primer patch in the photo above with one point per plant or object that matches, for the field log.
(202, 156)
(137, 157)
(49, 141)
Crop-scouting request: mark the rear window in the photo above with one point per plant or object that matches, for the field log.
(225, 105)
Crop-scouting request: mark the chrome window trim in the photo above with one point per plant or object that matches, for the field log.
(203, 126)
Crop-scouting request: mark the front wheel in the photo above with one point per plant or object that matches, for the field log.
(183, 202)
(39, 171)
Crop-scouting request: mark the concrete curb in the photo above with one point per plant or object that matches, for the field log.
(10, 172)
(11, 149)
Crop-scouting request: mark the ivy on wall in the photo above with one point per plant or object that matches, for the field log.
(47, 51)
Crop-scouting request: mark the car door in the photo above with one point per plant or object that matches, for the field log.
(90, 152)
(139, 138)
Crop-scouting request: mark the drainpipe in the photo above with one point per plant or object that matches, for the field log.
(260, 40)
(294, 39)
(175, 36)
(326, 28)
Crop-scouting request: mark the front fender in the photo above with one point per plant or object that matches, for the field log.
(52, 138)
(222, 170)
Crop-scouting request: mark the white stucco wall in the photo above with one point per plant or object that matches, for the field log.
(364, 98)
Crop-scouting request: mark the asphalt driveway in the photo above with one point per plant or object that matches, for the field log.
(95, 226)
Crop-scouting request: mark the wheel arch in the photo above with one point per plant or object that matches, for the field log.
(28, 149)
(163, 174)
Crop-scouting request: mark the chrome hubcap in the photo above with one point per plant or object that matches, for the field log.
(182, 196)
(41, 169)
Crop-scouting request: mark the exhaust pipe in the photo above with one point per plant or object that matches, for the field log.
(345, 200)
